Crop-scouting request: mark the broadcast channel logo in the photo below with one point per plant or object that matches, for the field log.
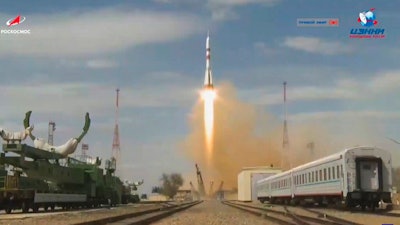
(367, 19)
(14, 22)
(317, 22)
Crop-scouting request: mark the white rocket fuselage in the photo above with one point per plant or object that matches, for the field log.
(208, 84)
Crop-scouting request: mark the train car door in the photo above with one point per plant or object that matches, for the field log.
(368, 175)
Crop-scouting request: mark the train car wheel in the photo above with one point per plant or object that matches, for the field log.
(35, 208)
(8, 210)
(363, 206)
(24, 207)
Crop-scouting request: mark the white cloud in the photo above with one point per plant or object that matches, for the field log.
(262, 47)
(241, 2)
(317, 45)
(334, 115)
(386, 82)
(307, 93)
(343, 89)
(73, 98)
(94, 32)
(101, 64)
(224, 9)
(178, 1)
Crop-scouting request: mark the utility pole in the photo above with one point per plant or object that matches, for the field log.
(116, 148)
(285, 143)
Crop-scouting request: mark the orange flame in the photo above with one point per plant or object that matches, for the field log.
(209, 96)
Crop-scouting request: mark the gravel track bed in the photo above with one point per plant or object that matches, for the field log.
(71, 217)
(215, 213)
(358, 217)
(367, 219)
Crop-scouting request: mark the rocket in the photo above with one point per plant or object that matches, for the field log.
(208, 84)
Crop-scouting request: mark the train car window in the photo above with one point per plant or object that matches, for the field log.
(341, 170)
(333, 173)
(338, 172)
(312, 177)
(329, 173)
(320, 175)
(302, 179)
(366, 167)
(324, 173)
(316, 176)
(309, 177)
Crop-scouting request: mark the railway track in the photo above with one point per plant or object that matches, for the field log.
(380, 212)
(143, 217)
(288, 216)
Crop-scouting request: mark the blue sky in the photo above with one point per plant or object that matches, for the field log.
(154, 51)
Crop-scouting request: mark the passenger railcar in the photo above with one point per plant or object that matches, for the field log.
(356, 176)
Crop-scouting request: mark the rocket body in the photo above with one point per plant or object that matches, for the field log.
(208, 83)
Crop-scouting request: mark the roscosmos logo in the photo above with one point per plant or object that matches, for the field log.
(13, 22)
(17, 20)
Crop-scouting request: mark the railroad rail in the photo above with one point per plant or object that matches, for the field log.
(287, 216)
(380, 212)
(143, 217)
(276, 219)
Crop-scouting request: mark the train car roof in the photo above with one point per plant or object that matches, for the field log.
(337, 155)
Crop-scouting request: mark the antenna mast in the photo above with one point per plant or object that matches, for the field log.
(116, 144)
(285, 142)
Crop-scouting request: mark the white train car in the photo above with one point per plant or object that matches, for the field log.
(358, 176)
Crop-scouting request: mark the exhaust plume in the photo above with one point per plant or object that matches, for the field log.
(245, 136)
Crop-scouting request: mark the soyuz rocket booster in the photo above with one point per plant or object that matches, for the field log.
(208, 84)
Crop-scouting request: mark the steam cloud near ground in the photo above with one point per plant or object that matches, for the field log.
(245, 136)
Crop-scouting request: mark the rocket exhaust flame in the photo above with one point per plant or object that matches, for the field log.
(208, 96)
